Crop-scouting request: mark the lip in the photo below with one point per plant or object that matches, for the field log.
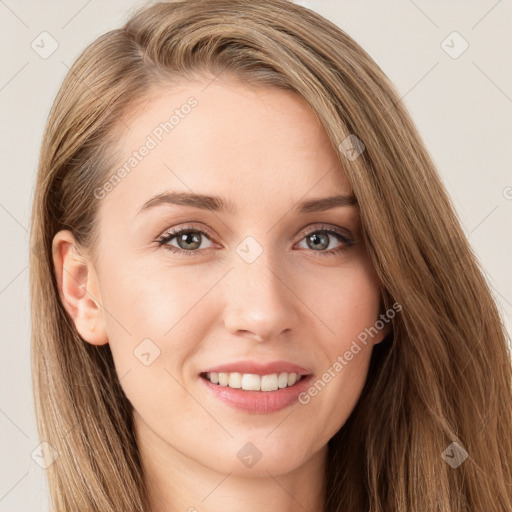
(260, 368)
(258, 402)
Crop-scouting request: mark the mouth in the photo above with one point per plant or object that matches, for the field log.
(256, 393)
(256, 386)
(254, 382)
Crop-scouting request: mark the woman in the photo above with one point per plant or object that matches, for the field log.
(252, 289)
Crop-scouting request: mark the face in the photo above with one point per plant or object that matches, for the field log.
(260, 282)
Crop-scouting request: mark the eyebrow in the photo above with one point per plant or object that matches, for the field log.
(218, 204)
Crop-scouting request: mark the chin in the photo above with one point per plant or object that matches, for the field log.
(257, 453)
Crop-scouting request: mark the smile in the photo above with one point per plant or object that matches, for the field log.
(257, 394)
(253, 382)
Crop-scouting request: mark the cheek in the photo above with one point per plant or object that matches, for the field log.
(349, 306)
(348, 303)
(156, 318)
(148, 300)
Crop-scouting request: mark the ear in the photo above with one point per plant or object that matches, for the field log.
(79, 288)
(382, 333)
(383, 323)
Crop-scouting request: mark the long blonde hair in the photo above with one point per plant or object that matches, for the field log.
(443, 376)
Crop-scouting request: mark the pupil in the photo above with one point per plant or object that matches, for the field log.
(185, 238)
(316, 239)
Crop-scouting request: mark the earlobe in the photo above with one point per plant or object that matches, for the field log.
(386, 329)
(78, 288)
(382, 335)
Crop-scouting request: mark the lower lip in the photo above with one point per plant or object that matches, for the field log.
(259, 402)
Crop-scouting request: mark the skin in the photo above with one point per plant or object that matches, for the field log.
(263, 150)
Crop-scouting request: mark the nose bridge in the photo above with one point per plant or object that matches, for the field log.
(258, 298)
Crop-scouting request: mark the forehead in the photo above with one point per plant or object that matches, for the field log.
(258, 147)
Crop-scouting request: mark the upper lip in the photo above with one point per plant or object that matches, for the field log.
(258, 368)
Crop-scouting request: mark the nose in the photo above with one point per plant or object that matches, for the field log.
(260, 302)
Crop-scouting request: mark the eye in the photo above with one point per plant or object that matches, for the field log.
(320, 239)
(188, 240)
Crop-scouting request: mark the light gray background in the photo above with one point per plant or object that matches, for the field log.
(461, 106)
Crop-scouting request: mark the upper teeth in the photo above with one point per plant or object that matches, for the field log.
(253, 382)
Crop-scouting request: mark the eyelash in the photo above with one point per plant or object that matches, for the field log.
(164, 239)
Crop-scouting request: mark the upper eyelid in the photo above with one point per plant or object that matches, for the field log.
(322, 227)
